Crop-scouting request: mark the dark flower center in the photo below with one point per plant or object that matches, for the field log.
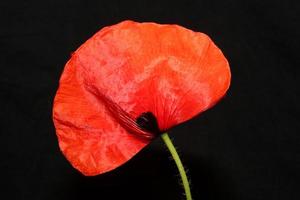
(148, 122)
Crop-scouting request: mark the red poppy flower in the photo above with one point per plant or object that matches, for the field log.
(129, 83)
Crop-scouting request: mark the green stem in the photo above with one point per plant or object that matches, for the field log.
(178, 162)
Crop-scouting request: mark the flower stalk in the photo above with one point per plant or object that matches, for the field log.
(178, 162)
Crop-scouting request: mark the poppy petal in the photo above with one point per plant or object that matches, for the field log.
(167, 70)
(90, 138)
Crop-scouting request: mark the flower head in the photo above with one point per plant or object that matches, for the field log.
(129, 83)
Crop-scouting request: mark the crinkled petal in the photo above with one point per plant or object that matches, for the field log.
(90, 138)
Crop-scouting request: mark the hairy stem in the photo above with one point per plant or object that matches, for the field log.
(178, 162)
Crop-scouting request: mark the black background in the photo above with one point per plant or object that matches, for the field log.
(246, 147)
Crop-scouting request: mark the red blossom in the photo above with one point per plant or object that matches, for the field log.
(126, 71)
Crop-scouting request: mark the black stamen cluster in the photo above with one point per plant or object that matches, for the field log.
(148, 122)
